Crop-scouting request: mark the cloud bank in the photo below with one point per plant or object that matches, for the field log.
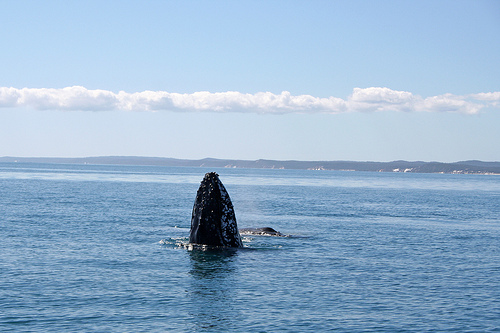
(373, 99)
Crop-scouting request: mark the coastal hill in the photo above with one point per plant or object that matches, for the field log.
(463, 167)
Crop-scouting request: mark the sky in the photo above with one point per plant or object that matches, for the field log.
(285, 80)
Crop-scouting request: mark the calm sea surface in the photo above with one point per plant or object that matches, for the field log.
(87, 248)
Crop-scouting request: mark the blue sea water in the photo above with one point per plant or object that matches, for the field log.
(87, 248)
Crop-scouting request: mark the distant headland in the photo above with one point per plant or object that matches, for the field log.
(462, 167)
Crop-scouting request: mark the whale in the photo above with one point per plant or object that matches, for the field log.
(266, 231)
(213, 221)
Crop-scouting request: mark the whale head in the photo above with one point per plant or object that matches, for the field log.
(213, 221)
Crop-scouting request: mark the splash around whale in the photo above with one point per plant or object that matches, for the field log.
(213, 221)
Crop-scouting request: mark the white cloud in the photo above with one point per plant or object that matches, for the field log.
(381, 99)
(361, 100)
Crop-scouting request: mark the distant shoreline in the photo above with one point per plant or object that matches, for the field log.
(462, 167)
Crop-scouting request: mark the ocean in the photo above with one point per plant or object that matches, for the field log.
(99, 248)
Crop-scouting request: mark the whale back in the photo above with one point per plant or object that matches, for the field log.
(213, 221)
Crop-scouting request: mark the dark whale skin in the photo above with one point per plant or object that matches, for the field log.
(213, 221)
(266, 231)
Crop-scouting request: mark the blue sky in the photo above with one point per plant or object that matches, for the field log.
(304, 80)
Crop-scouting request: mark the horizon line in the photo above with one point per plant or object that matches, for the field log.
(238, 159)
